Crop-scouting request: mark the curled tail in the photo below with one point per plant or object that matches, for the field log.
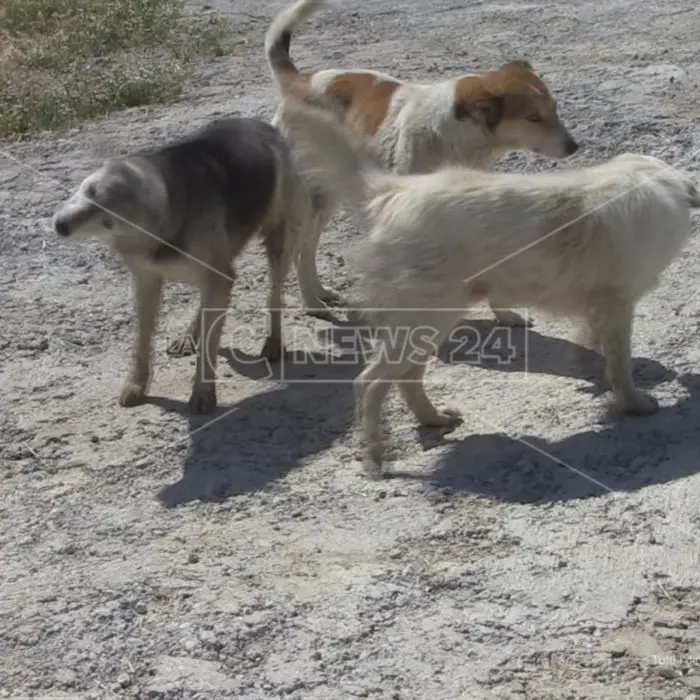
(331, 154)
(279, 36)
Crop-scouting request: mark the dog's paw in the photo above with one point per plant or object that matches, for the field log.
(372, 468)
(442, 418)
(372, 462)
(182, 347)
(203, 398)
(639, 404)
(510, 319)
(132, 394)
(319, 310)
(273, 349)
(329, 296)
(357, 315)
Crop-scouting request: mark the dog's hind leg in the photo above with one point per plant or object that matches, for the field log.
(612, 324)
(216, 292)
(313, 293)
(586, 341)
(147, 291)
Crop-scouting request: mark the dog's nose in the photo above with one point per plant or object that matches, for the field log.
(571, 147)
(62, 228)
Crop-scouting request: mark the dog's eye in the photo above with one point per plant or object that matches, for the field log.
(534, 118)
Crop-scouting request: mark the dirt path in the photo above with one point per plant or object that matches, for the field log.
(147, 554)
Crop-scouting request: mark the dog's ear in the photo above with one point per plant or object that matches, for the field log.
(487, 111)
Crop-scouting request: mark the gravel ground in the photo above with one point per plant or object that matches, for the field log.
(546, 549)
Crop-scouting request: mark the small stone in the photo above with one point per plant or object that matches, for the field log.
(193, 557)
(124, 680)
(140, 607)
(668, 672)
(66, 677)
(692, 682)
(16, 451)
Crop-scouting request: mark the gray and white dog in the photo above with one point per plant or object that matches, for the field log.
(183, 213)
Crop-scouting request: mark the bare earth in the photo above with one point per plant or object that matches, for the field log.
(546, 549)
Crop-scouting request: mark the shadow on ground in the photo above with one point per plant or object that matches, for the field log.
(482, 344)
(243, 448)
(626, 454)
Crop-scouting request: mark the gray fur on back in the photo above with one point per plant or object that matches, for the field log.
(222, 176)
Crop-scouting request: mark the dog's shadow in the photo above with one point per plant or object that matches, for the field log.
(627, 454)
(242, 448)
(483, 344)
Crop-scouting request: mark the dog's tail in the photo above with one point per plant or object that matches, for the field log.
(332, 153)
(279, 36)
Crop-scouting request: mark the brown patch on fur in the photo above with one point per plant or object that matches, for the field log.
(510, 92)
(365, 99)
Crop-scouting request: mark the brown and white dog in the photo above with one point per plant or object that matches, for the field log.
(470, 120)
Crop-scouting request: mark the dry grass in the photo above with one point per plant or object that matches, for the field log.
(62, 61)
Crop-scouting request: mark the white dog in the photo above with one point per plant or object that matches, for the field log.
(471, 119)
(586, 244)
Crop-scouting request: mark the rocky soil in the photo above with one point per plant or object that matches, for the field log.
(547, 549)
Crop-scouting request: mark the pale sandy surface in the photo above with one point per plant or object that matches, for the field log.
(144, 555)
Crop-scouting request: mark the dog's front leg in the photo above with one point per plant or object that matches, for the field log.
(280, 246)
(216, 291)
(370, 388)
(147, 292)
(413, 393)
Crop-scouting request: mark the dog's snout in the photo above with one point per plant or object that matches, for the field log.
(62, 227)
(571, 147)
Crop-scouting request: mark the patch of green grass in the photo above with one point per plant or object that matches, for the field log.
(63, 61)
